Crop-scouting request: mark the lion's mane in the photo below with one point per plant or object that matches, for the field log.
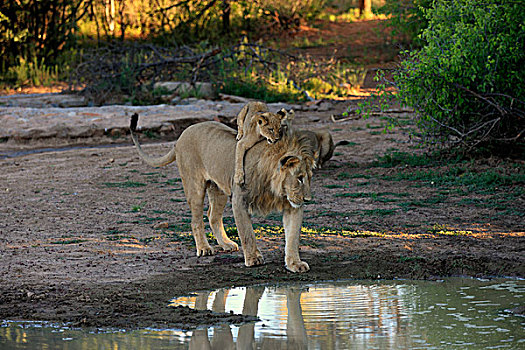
(264, 192)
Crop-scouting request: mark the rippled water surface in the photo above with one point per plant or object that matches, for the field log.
(454, 314)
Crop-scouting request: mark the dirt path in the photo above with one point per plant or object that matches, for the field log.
(97, 238)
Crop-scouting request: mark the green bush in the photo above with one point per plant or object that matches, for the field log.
(407, 19)
(467, 83)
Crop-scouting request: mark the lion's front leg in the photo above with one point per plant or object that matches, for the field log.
(292, 222)
(240, 150)
(252, 255)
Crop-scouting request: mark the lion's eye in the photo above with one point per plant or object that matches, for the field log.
(270, 130)
(300, 179)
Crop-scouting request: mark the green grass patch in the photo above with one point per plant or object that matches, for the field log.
(404, 259)
(172, 182)
(125, 184)
(374, 196)
(336, 186)
(182, 227)
(427, 202)
(393, 159)
(344, 175)
(168, 212)
(69, 241)
(151, 134)
(481, 182)
(143, 219)
(178, 200)
(377, 212)
(155, 173)
(331, 213)
(117, 235)
(353, 195)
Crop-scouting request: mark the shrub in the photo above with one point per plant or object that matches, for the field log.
(36, 30)
(467, 83)
(407, 19)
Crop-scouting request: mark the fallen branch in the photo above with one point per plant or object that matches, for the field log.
(355, 117)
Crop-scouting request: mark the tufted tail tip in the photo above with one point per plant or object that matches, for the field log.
(133, 122)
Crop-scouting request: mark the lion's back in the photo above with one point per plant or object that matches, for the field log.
(207, 149)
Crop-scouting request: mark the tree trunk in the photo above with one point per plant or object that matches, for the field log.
(110, 14)
(226, 10)
(365, 7)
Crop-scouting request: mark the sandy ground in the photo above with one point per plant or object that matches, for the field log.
(97, 238)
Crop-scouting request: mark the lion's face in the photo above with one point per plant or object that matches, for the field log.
(271, 125)
(297, 177)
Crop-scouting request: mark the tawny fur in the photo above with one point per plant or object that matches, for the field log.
(322, 145)
(256, 123)
(278, 179)
(260, 199)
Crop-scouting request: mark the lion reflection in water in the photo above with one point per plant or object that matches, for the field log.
(222, 338)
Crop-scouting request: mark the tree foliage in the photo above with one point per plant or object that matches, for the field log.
(36, 30)
(467, 83)
(407, 19)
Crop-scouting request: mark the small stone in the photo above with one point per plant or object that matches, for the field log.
(161, 225)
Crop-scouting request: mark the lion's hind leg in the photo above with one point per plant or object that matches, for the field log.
(195, 196)
(218, 201)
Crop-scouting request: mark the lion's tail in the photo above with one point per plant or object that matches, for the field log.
(155, 162)
(342, 143)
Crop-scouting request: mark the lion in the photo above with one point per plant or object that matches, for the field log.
(322, 145)
(278, 174)
(255, 123)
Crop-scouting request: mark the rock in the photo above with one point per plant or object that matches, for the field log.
(23, 123)
(233, 98)
(116, 132)
(161, 225)
(202, 90)
(325, 106)
(166, 128)
(43, 100)
(277, 106)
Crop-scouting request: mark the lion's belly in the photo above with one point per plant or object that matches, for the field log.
(205, 152)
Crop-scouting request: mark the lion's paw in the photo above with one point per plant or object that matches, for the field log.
(254, 260)
(239, 178)
(230, 246)
(205, 251)
(298, 266)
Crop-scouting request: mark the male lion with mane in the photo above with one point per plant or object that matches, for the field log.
(277, 179)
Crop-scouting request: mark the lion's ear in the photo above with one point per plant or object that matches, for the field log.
(286, 115)
(290, 115)
(288, 162)
(261, 120)
(282, 113)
